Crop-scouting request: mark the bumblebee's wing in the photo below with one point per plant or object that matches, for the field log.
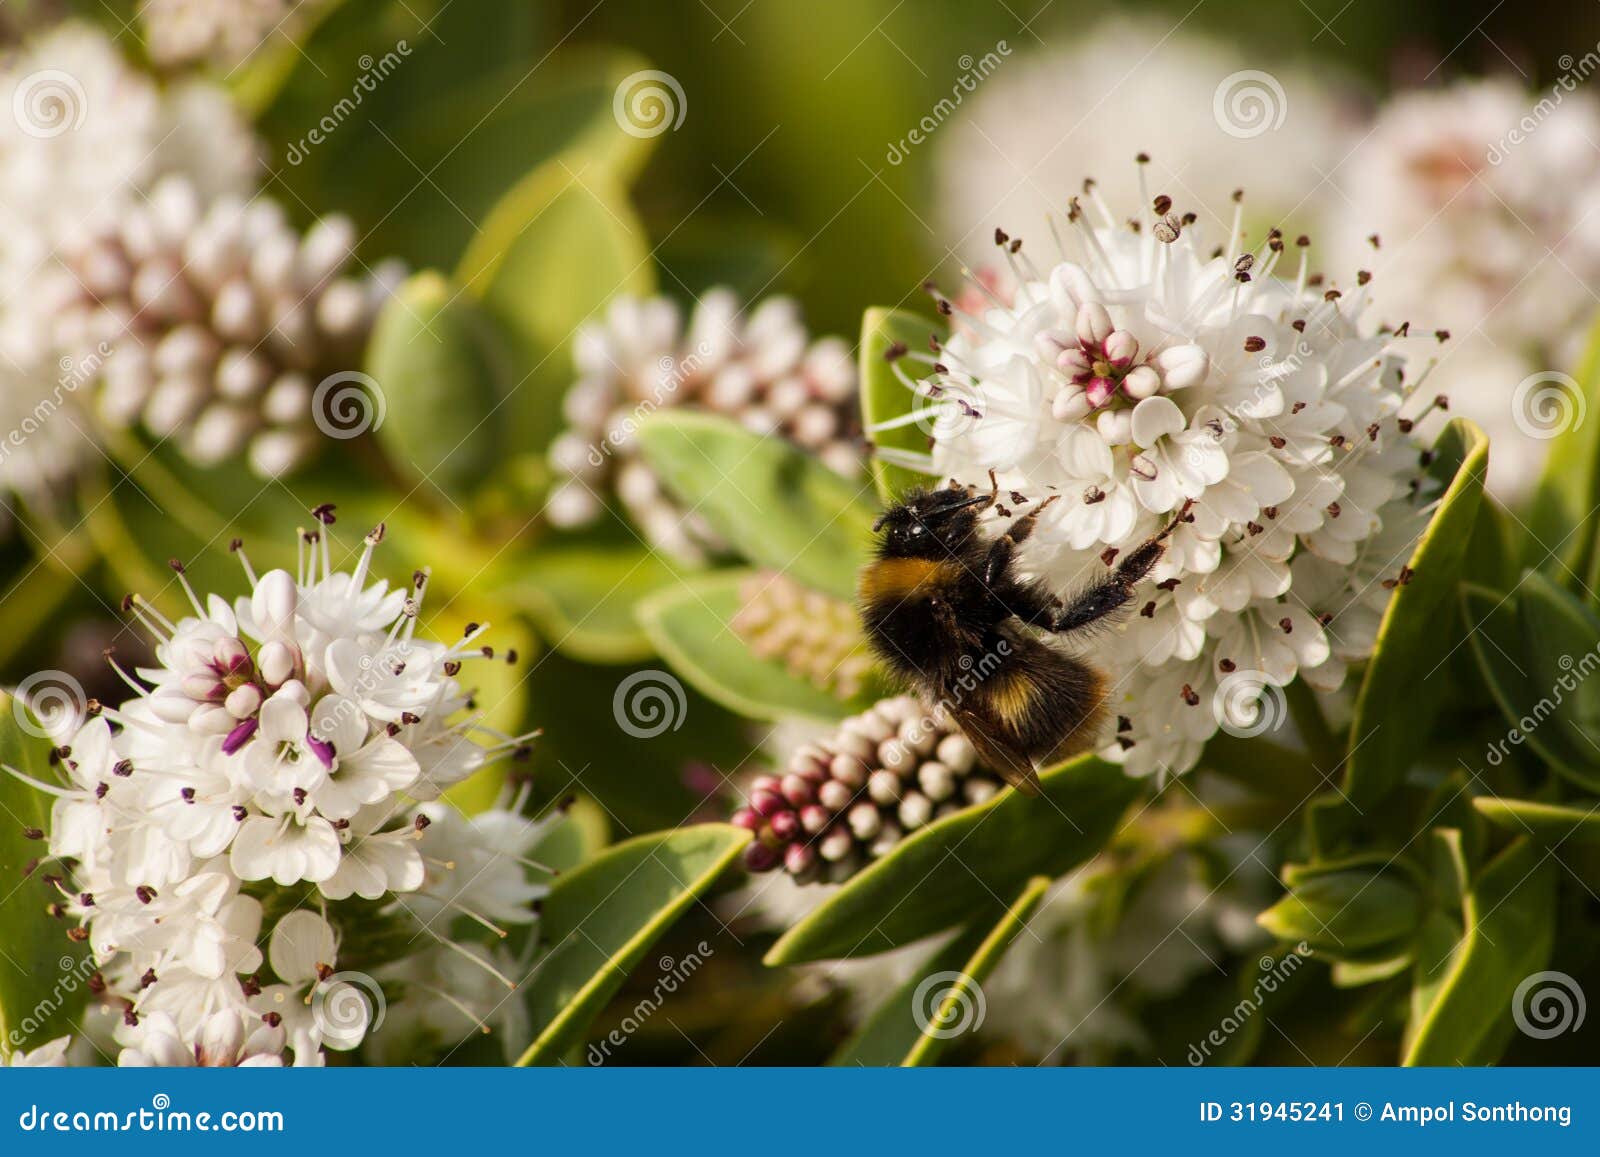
(995, 753)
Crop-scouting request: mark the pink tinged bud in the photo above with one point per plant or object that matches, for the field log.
(785, 826)
(1141, 382)
(212, 719)
(1094, 323)
(915, 810)
(851, 743)
(884, 786)
(1075, 362)
(835, 844)
(239, 736)
(1121, 348)
(956, 753)
(768, 803)
(1070, 405)
(896, 756)
(979, 790)
(936, 780)
(1099, 391)
(1115, 426)
(746, 819)
(230, 656)
(273, 605)
(834, 795)
(242, 702)
(277, 663)
(203, 687)
(799, 859)
(865, 820)
(760, 858)
(765, 783)
(814, 818)
(887, 839)
(797, 791)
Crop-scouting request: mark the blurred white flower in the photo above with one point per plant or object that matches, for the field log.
(1044, 120)
(1143, 379)
(219, 32)
(761, 369)
(51, 1055)
(1484, 229)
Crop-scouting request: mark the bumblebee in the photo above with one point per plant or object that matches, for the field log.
(944, 608)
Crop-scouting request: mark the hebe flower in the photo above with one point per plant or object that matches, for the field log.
(816, 637)
(848, 798)
(261, 788)
(761, 369)
(1143, 372)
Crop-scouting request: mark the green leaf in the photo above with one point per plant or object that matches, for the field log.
(884, 397)
(581, 594)
(1499, 638)
(44, 977)
(553, 252)
(444, 375)
(936, 877)
(945, 998)
(1560, 515)
(1347, 914)
(777, 505)
(1564, 646)
(691, 626)
(1401, 692)
(1508, 928)
(601, 919)
(1550, 824)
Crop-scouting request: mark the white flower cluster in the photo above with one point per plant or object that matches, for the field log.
(221, 32)
(1150, 373)
(1483, 196)
(762, 370)
(262, 786)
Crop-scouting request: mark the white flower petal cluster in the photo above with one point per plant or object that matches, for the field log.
(1146, 380)
(761, 368)
(262, 788)
(1482, 196)
(220, 32)
(1042, 119)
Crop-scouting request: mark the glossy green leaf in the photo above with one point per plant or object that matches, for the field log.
(44, 977)
(1499, 639)
(945, 998)
(936, 877)
(1508, 928)
(1400, 695)
(1564, 648)
(1560, 517)
(600, 920)
(1346, 914)
(774, 503)
(690, 624)
(1544, 823)
(884, 397)
(553, 252)
(443, 374)
(581, 594)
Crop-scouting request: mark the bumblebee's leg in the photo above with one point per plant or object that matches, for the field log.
(998, 561)
(1116, 589)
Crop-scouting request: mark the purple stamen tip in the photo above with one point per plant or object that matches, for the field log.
(239, 736)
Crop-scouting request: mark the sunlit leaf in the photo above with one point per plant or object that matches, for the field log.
(884, 397)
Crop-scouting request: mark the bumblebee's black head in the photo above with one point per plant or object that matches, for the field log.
(930, 523)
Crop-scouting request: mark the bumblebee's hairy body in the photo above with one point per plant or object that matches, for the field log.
(945, 610)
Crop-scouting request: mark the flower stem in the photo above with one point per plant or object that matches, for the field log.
(1313, 726)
